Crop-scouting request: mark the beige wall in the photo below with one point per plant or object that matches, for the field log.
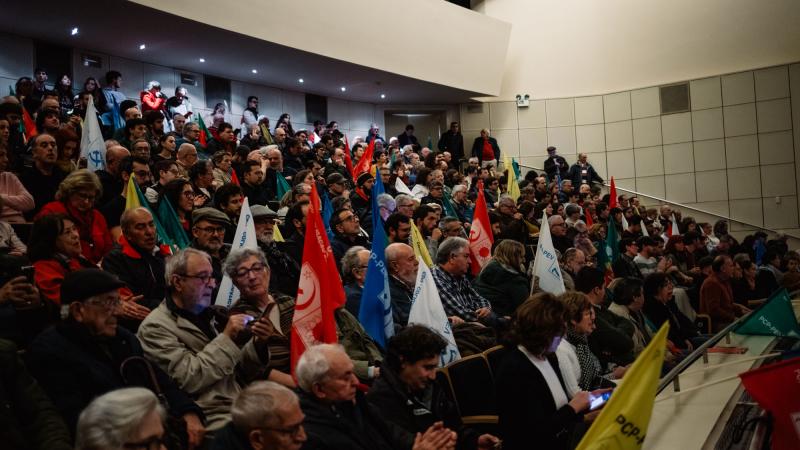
(571, 48)
(733, 154)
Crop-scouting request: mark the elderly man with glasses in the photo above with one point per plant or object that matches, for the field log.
(208, 355)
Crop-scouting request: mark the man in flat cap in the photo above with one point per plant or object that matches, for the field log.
(82, 357)
(209, 226)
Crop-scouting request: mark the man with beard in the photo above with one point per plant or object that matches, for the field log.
(228, 199)
(426, 219)
(208, 229)
(43, 178)
(361, 199)
(347, 233)
(398, 228)
(82, 357)
(180, 336)
(279, 260)
(402, 264)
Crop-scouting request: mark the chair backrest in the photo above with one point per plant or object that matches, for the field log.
(473, 386)
(494, 356)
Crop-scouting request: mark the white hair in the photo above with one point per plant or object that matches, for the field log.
(314, 365)
(259, 404)
(113, 418)
(179, 262)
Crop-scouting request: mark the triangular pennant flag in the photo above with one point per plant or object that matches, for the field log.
(375, 312)
(135, 199)
(644, 229)
(245, 237)
(588, 218)
(513, 185)
(171, 223)
(609, 251)
(401, 187)
(449, 208)
(631, 404)
(205, 135)
(673, 228)
(320, 290)
(776, 389)
(515, 166)
(327, 213)
(348, 159)
(775, 317)
(427, 309)
(235, 178)
(624, 222)
(276, 235)
(283, 185)
(93, 147)
(546, 271)
(364, 164)
(481, 238)
(612, 195)
(418, 244)
(29, 124)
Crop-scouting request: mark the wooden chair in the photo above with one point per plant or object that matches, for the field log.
(472, 386)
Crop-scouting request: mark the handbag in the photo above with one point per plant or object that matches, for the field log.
(175, 435)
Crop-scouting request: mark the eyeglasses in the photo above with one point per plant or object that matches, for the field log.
(110, 304)
(352, 218)
(254, 269)
(155, 443)
(206, 279)
(293, 431)
(85, 197)
(212, 230)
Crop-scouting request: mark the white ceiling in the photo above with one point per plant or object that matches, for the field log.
(118, 27)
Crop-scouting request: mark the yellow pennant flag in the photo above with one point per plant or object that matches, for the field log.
(622, 424)
(131, 196)
(418, 244)
(276, 234)
(513, 185)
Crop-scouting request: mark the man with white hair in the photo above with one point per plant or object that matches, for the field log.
(338, 415)
(461, 302)
(266, 416)
(402, 264)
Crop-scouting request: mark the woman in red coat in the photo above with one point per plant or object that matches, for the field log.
(75, 198)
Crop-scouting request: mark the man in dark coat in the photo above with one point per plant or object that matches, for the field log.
(83, 357)
(555, 164)
(452, 141)
(408, 395)
(485, 148)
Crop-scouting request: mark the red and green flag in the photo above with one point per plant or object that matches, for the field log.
(609, 251)
(205, 135)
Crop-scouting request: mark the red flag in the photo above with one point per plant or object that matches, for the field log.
(612, 201)
(672, 228)
(348, 160)
(365, 162)
(480, 234)
(30, 125)
(776, 389)
(320, 291)
(205, 135)
(588, 214)
(235, 178)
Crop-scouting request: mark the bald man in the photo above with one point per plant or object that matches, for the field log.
(110, 176)
(186, 157)
(403, 265)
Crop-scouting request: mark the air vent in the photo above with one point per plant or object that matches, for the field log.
(188, 79)
(475, 108)
(674, 98)
(92, 61)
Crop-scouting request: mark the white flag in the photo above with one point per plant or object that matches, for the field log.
(401, 187)
(427, 309)
(644, 229)
(624, 222)
(245, 237)
(545, 266)
(93, 147)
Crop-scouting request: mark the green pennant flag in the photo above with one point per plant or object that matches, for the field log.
(11, 91)
(283, 186)
(449, 208)
(775, 317)
(515, 165)
(171, 224)
(608, 251)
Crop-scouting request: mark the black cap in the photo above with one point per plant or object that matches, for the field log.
(363, 178)
(86, 283)
(334, 178)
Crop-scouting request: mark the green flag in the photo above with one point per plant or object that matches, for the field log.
(515, 165)
(283, 186)
(171, 224)
(608, 251)
(775, 317)
(11, 91)
(449, 208)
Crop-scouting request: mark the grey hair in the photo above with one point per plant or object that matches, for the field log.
(458, 188)
(448, 247)
(393, 251)
(554, 218)
(259, 404)
(385, 200)
(314, 366)
(113, 418)
(236, 257)
(350, 260)
(268, 148)
(178, 262)
(152, 84)
(446, 220)
(405, 198)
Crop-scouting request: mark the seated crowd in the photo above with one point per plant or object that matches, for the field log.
(109, 339)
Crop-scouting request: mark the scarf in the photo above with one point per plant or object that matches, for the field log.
(590, 365)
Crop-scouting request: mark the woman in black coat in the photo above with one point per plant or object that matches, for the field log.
(534, 409)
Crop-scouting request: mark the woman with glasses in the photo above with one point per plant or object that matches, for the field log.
(180, 194)
(76, 198)
(354, 273)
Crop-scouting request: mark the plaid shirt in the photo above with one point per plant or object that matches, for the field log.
(458, 297)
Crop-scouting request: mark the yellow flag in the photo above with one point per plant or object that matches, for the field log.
(513, 185)
(418, 244)
(276, 234)
(622, 424)
(131, 196)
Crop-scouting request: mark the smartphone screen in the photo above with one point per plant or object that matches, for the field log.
(598, 401)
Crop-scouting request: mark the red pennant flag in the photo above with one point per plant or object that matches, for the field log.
(589, 221)
(205, 135)
(480, 234)
(235, 178)
(612, 201)
(776, 389)
(672, 229)
(320, 291)
(30, 125)
(365, 162)
(348, 160)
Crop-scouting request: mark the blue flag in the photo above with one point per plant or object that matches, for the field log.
(327, 212)
(375, 312)
(118, 121)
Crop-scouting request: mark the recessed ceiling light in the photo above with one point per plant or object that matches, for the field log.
(74, 31)
(202, 60)
(141, 47)
(383, 95)
(301, 80)
(254, 71)
(343, 88)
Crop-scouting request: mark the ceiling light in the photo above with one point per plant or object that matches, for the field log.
(343, 88)
(383, 95)
(74, 31)
(254, 71)
(141, 46)
(202, 60)
(301, 80)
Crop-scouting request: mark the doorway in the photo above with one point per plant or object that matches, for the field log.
(428, 125)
